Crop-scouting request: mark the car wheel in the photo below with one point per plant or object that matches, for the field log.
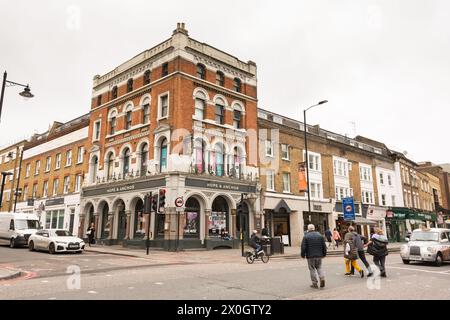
(51, 248)
(405, 261)
(12, 243)
(31, 246)
(438, 261)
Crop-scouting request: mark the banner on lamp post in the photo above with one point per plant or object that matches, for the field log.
(302, 183)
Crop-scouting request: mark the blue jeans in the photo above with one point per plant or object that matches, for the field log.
(258, 247)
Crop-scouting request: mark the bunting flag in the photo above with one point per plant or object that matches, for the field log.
(302, 183)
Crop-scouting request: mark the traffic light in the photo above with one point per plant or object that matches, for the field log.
(147, 203)
(239, 208)
(162, 199)
(155, 203)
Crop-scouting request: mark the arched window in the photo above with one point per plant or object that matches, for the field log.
(114, 92)
(220, 79)
(237, 162)
(112, 123)
(200, 149)
(144, 159)
(110, 164)
(200, 104)
(192, 219)
(201, 71)
(163, 156)
(237, 85)
(128, 119)
(220, 111)
(237, 119)
(219, 156)
(147, 77)
(130, 85)
(126, 161)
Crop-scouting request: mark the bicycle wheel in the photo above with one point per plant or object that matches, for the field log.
(250, 258)
(265, 258)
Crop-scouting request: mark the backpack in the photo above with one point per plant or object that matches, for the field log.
(350, 250)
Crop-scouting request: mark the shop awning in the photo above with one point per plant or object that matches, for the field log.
(364, 221)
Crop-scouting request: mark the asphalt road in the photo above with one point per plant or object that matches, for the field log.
(105, 276)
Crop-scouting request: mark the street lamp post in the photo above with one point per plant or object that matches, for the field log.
(4, 175)
(26, 93)
(16, 193)
(306, 153)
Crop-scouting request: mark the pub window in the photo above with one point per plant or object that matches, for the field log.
(99, 100)
(114, 92)
(220, 79)
(165, 69)
(201, 71)
(237, 85)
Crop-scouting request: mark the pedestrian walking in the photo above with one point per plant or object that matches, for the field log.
(359, 242)
(329, 237)
(351, 252)
(377, 247)
(336, 237)
(314, 250)
(91, 234)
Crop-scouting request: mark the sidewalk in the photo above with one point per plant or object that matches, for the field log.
(7, 274)
(203, 255)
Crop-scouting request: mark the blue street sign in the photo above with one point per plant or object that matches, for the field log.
(348, 207)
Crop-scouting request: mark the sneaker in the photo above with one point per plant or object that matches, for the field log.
(314, 286)
(348, 274)
(370, 274)
(383, 274)
(322, 283)
(362, 273)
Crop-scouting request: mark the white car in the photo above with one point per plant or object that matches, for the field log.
(55, 240)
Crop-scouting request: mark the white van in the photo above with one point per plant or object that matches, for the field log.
(16, 228)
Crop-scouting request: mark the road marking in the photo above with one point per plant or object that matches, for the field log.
(52, 298)
(130, 288)
(159, 283)
(421, 270)
(109, 275)
(92, 292)
(44, 281)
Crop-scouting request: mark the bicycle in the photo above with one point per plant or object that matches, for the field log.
(251, 256)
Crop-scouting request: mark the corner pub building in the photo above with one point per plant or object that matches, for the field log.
(180, 117)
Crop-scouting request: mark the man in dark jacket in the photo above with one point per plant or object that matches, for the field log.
(314, 249)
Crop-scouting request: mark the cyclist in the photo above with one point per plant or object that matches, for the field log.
(255, 242)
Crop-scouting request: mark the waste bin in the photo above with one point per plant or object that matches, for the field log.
(277, 245)
(267, 249)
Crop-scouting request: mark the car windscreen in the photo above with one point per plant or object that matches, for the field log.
(425, 236)
(22, 224)
(60, 233)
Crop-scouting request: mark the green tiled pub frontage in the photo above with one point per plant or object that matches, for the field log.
(400, 220)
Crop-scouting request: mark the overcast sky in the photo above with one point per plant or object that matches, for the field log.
(384, 66)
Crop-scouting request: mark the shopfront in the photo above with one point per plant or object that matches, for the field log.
(418, 219)
(396, 229)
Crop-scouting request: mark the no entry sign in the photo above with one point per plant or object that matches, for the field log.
(179, 202)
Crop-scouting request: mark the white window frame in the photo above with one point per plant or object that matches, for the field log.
(99, 123)
(37, 168)
(27, 170)
(160, 117)
(383, 200)
(58, 159)
(80, 151)
(78, 182)
(389, 180)
(55, 190)
(45, 189)
(270, 176)
(381, 178)
(66, 183)
(68, 158)
(393, 200)
(317, 161)
(48, 164)
(268, 144)
(288, 175)
(317, 194)
(288, 158)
